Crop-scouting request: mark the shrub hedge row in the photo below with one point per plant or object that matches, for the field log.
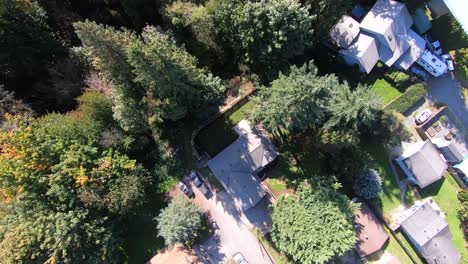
(413, 94)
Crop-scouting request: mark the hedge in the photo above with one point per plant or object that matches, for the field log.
(413, 94)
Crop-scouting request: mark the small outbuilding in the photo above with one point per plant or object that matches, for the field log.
(370, 232)
(422, 163)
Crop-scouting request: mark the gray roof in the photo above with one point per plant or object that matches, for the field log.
(363, 52)
(431, 235)
(390, 22)
(388, 19)
(452, 153)
(422, 162)
(345, 31)
(234, 167)
(417, 45)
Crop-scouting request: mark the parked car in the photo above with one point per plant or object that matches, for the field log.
(198, 182)
(450, 66)
(239, 258)
(423, 116)
(420, 73)
(185, 190)
(436, 44)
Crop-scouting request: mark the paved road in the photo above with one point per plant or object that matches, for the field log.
(447, 90)
(234, 234)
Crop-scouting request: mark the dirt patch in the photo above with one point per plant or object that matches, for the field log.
(237, 87)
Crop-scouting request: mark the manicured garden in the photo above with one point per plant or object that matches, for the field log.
(411, 96)
(385, 91)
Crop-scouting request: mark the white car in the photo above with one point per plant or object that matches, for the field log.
(423, 116)
(239, 258)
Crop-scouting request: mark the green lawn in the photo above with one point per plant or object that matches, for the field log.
(409, 247)
(385, 91)
(389, 198)
(278, 257)
(276, 185)
(219, 134)
(394, 249)
(444, 193)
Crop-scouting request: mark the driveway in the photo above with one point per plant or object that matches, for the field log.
(233, 235)
(447, 90)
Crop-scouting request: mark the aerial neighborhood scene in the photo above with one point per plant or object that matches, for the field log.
(234, 131)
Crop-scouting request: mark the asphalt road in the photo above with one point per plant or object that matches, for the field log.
(233, 235)
(447, 90)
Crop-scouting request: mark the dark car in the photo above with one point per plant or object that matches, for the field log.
(186, 190)
(198, 182)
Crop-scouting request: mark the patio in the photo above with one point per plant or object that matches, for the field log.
(442, 126)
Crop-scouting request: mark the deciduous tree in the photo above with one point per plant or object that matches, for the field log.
(179, 222)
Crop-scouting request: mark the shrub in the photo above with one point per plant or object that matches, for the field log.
(413, 94)
(398, 78)
(443, 119)
(368, 185)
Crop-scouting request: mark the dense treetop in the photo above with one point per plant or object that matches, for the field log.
(313, 226)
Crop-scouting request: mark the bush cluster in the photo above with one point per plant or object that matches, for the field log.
(413, 94)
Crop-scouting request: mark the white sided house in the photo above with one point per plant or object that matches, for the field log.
(384, 34)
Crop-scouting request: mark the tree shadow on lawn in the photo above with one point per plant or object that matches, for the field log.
(297, 160)
(141, 240)
(431, 190)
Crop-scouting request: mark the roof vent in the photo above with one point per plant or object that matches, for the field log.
(351, 25)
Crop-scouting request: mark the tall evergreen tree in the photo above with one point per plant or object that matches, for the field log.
(273, 31)
(170, 76)
(106, 49)
(313, 226)
(295, 101)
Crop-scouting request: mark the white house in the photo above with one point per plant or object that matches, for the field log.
(384, 34)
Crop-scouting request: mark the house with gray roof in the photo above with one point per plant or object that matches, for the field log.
(430, 234)
(240, 166)
(345, 32)
(395, 43)
(422, 163)
(449, 150)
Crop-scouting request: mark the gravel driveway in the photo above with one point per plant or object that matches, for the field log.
(233, 235)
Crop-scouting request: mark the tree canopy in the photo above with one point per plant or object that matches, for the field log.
(62, 193)
(314, 225)
(179, 222)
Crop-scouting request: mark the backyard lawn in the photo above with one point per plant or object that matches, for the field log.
(385, 91)
(390, 196)
(220, 134)
(444, 194)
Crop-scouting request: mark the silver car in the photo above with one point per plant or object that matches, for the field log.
(423, 116)
(239, 258)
